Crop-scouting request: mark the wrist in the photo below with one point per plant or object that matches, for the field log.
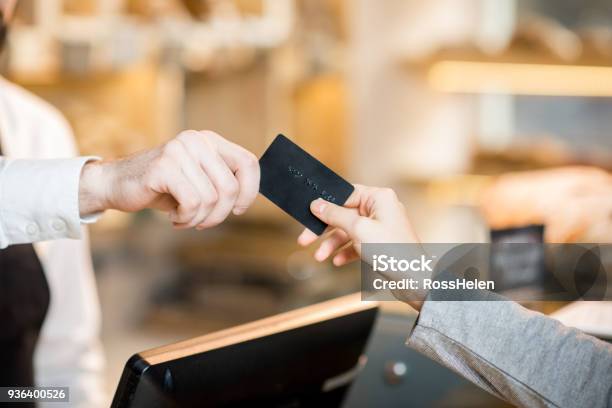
(416, 304)
(94, 188)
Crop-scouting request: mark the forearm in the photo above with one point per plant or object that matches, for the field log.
(523, 357)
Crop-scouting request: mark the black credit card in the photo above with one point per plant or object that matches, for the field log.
(292, 179)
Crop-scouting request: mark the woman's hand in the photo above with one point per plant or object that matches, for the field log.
(370, 215)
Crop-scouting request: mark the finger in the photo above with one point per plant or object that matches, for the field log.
(245, 167)
(345, 256)
(208, 196)
(307, 237)
(370, 201)
(186, 196)
(334, 215)
(164, 202)
(227, 191)
(356, 196)
(335, 240)
(384, 205)
(223, 180)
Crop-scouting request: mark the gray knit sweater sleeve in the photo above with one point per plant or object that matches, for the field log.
(521, 356)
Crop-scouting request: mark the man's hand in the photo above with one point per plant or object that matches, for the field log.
(370, 215)
(197, 177)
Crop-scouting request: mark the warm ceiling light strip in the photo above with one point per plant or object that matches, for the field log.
(520, 79)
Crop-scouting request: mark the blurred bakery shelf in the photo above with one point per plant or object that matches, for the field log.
(516, 71)
(540, 154)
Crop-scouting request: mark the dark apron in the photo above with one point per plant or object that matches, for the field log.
(24, 300)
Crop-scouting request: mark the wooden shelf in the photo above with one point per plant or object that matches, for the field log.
(519, 71)
(514, 55)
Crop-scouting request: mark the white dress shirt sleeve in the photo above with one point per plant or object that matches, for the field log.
(39, 199)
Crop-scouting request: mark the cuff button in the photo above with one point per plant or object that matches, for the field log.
(32, 229)
(58, 225)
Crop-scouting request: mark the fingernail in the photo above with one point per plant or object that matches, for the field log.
(319, 255)
(318, 205)
(239, 210)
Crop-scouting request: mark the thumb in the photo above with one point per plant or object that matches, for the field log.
(334, 215)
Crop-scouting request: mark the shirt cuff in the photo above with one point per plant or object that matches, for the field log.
(428, 316)
(39, 199)
(441, 314)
